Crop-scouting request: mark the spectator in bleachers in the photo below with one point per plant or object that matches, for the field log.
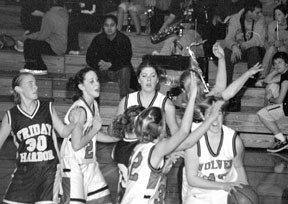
(272, 113)
(110, 53)
(51, 39)
(246, 35)
(277, 40)
(31, 14)
(197, 12)
(221, 15)
(135, 9)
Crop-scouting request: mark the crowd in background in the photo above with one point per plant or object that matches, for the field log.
(145, 149)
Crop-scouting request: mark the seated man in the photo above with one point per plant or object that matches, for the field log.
(198, 13)
(110, 54)
(51, 39)
(221, 16)
(271, 113)
(245, 39)
(246, 35)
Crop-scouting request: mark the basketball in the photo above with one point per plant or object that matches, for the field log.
(245, 195)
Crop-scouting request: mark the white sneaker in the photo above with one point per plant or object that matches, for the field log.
(74, 52)
(34, 72)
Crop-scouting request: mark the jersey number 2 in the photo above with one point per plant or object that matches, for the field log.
(136, 163)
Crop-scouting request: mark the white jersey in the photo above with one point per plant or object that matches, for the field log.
(159, 100)
(86, 154)
(213, 166)
(144, 182)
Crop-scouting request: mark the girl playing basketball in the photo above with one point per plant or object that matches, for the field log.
(123, 127)
(32, 122)
(214, 166)
(82, 180)
(146, 163)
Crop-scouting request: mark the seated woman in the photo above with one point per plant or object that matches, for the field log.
(277, 40)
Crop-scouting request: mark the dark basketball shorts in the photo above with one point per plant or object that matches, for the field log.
(31, 183)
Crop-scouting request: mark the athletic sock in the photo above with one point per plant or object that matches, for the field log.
(280, 136)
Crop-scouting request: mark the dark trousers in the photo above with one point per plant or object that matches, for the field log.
(32, 54)
(121, 76)
(73, 32)
(252, 55)
(157, 20)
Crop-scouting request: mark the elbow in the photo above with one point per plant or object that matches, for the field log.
(191, 182)
(76, 147)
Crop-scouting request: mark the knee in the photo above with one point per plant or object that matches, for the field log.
(262, 112)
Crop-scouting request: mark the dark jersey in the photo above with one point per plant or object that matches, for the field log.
(284, 77)
(33, 134)
(123, 151)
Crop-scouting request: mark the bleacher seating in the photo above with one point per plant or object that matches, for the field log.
(60, 68)
(53, 87)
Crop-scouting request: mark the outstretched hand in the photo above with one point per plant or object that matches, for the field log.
(218, 50)
(231, 186)
(254, 70)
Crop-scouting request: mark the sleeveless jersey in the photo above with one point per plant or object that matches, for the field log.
(33, 134)
(143, 181)
(159, 100)
(122, 152)
(86, 154)
(215, 166)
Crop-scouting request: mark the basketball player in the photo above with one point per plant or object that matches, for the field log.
(214, 166)
(148, 78)
(82, 180)
(123, 127)
(147, 160)
(32, 122)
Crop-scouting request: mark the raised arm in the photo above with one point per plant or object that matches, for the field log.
(236, 85)
(194, 136)
(170, 115)
(166, 146)
(221, 79)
